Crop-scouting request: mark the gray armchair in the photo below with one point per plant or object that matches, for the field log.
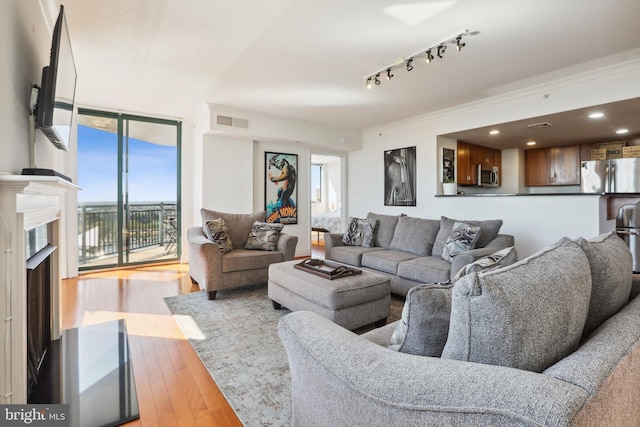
(213, 271)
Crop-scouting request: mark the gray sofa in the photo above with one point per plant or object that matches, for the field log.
(408, 250)
(552, 340)
(214, 270)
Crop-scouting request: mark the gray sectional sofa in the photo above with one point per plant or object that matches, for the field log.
(551, 340)
(409, 250)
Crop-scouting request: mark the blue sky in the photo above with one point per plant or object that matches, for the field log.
(152, 168)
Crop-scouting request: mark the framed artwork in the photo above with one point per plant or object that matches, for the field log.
(280, 187)
(400, 177)
(448, 165)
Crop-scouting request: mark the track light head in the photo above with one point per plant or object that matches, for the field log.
(389, 75)
(441, 49)
(459, 45)
(409, 64)
(429, 57)
(369, 83)
(377, 79)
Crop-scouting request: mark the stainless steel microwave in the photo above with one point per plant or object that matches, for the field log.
(488, 177)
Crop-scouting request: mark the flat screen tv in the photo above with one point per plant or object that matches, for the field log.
(56, 96)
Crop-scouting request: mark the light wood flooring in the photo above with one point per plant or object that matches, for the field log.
(173, 386)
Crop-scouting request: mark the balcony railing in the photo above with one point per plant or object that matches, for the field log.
(146, 225)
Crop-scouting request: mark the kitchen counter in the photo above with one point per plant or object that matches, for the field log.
(537, 194)
(614, 200)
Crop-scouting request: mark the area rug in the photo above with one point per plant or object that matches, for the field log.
(236, 337)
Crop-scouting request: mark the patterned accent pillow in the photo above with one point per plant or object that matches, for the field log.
(462, 238)
(264, 236)
(503, 257)
(361, 232)
(217, 231)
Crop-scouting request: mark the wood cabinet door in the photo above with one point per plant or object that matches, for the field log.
(537, 167)
(466, 174)
(565, 165)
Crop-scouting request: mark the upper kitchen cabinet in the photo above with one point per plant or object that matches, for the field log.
(552, 166)
(488, 157)
(466, 164)
(470, 156)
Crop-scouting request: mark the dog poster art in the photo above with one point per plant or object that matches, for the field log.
(280, 191)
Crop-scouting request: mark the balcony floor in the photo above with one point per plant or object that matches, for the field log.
(150, 254)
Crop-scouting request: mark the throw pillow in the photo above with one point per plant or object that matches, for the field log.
(611, 267)
(527, 315)
(217, 231)
(386, 228)
(424, 326)
(462, 238)
(361, 232)
(490, 229)
(503, 257)
(264, 236)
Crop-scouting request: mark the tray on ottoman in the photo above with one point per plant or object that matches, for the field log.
(327, 269)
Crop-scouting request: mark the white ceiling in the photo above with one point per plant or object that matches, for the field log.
(309, 59)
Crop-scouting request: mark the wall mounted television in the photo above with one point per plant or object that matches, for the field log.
(56, 96)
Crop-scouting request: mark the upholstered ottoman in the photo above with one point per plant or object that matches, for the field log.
(350, 302)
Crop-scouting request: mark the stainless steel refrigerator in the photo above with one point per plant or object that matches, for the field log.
(617, 176)
(610, 176)
(628, 228)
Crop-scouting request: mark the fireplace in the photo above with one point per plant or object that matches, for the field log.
(38, 312)
(29, 203)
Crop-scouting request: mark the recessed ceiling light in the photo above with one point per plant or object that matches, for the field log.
(494, 132)
(531, 143)
(596, 115)
(622, 131)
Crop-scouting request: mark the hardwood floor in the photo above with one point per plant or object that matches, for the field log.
(173, 386)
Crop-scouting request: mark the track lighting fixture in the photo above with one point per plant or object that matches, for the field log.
(429, 56)
(407, 61)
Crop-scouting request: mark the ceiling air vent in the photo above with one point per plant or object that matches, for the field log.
(232, 121)
(540, 125)
(241, 123)
(224, 120)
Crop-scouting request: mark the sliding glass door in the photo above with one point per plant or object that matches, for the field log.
(129, 205)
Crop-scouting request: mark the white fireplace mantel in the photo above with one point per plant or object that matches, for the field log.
(25, 202)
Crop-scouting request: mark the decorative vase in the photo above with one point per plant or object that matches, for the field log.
(449, 188)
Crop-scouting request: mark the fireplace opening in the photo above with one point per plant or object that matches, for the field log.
(38, 312)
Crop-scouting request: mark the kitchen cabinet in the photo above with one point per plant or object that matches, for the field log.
(466, 174)
(552, 166)
(488, 157)
(469, 156)
(585, 150)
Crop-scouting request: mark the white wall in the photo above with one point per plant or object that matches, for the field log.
(534, 220)
(227, 174)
